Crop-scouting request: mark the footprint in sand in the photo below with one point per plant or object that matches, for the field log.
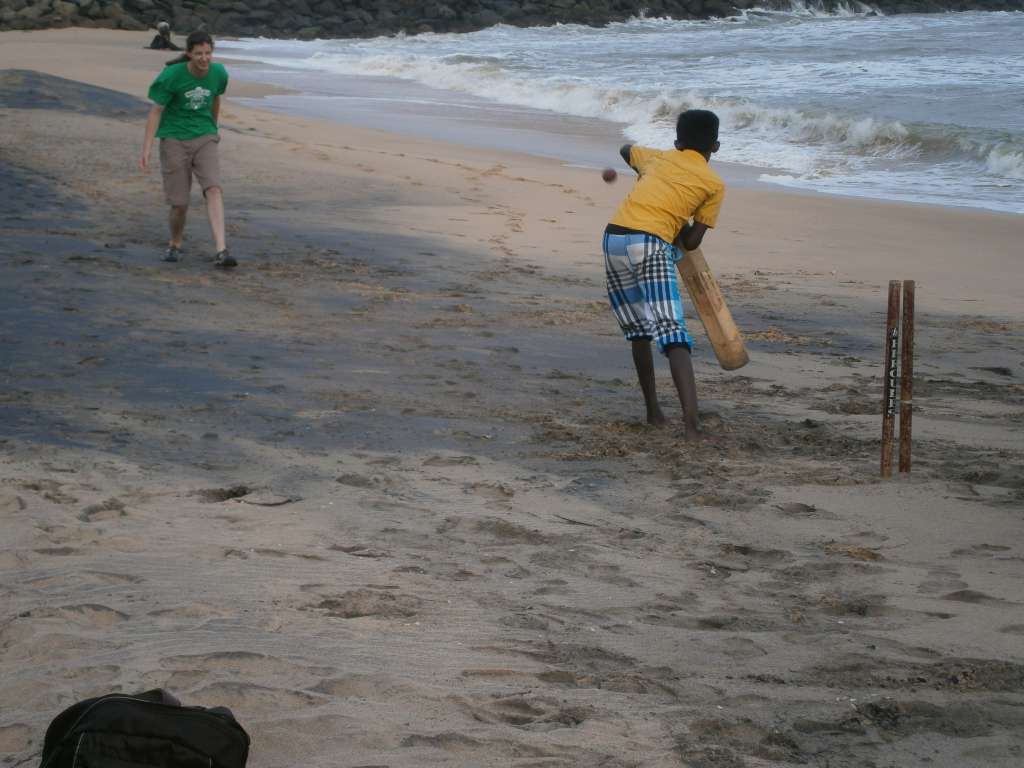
(178, 680)
(740, 648)
(523, 711)
(852, 551)
(973, 596)
(49, 490)
(249, 699)
(496, 491)
(83, 579)
(26, 640)
(242, 663)
(15, 737)
(980, 550)
(718, 742)
(751, 557)
(743, 621)
(450, 461)
(354, 480)
(593, 667)
(12, 504)
(854, 605)
(217, 495)
(13, 560)
(358, 550)
(799, 509)
(189, 611)
(370, 687)
(111, 509)
(525, 621)
(941, 579)
(510, 533)
(88, 615)
(359, 603)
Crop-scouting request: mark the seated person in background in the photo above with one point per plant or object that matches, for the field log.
(162, 41)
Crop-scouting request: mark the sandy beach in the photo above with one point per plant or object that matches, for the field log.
(385, 490)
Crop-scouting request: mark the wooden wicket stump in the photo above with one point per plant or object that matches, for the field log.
(898, 375)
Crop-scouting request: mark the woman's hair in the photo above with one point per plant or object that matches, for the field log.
(199, 37)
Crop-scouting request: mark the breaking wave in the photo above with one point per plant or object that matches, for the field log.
(751, 133)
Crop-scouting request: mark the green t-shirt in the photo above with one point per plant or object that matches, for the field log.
(187, 100)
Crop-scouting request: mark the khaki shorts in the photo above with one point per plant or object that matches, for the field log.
(180, 159)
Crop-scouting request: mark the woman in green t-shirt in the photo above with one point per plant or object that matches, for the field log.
(186, 105)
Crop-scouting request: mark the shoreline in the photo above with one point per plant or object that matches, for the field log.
(386, 492)
(255, 90)
(414, 18)
(855, 143)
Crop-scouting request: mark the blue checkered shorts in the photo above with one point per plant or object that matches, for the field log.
(640, 270)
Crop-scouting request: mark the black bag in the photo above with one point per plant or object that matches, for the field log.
(145, 730)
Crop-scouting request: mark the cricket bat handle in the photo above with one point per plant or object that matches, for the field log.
(713, 312)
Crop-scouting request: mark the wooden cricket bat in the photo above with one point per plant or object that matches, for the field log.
(711, 308)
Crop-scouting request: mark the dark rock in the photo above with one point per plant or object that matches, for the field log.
(441, 12)
(33, 12)
(718, 8)
(485, 18)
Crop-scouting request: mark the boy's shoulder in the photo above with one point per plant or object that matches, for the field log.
(690, 161)
(638, 153)
(677, 166)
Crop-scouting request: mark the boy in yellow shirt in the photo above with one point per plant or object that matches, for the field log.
(644, 240)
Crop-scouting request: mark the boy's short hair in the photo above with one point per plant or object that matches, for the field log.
(697, 129)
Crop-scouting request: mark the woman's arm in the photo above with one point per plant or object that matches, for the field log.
(152, 123)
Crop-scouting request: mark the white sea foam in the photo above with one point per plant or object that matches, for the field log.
(1005, 161)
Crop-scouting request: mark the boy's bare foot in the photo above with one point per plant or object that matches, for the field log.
(656, 418)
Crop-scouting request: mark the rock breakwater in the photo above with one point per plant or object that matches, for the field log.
(369, 18)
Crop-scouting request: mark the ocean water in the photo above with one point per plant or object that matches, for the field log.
(922, 108)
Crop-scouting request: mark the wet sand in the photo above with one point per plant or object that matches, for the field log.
(384, 490)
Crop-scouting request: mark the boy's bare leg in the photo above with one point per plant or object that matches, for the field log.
(643, 359)
(682, 374)
(176, 221)
(215, 212)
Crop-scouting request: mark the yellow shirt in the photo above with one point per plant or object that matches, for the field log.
(673, 186)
